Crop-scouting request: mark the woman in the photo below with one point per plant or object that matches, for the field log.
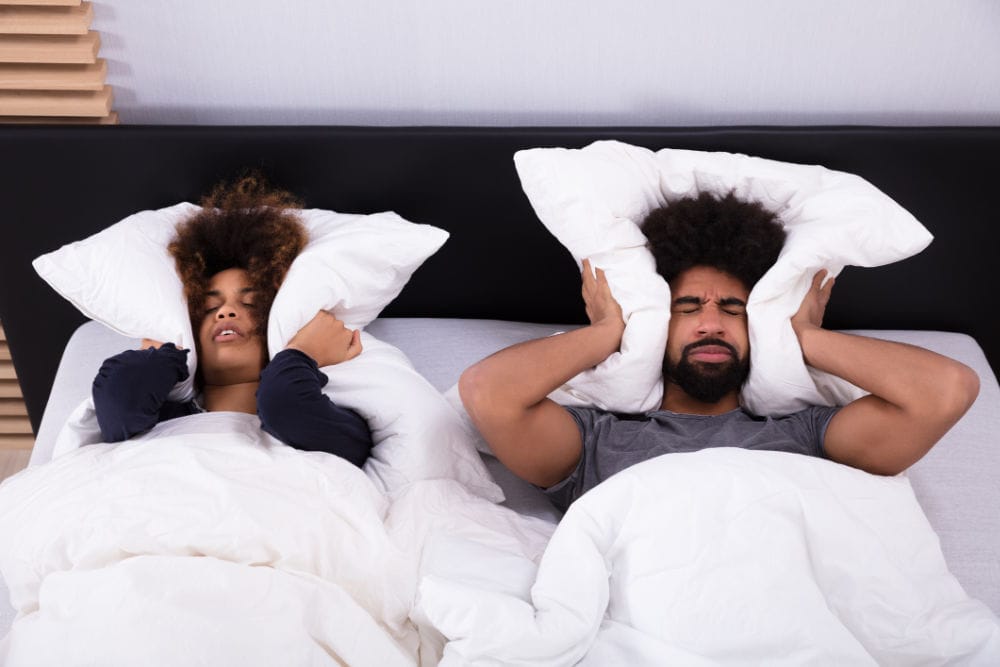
(232, 256)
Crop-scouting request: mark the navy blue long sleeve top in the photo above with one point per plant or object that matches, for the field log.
(131, 388)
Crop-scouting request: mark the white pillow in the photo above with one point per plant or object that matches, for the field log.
(353, 265)
(419, 434)
(594, 199)
(124, 277)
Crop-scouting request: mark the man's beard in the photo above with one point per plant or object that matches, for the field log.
(707, 382)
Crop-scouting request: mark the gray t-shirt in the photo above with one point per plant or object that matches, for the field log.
(613, 442)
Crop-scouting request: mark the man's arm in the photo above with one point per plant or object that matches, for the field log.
(916, 395)
(505, 394)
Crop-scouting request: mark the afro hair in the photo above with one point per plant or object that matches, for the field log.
(727, 233)
(244, 224)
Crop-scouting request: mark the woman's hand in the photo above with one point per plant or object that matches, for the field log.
(148, 343)
(326, 340)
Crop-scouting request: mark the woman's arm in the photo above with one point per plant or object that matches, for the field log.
(131, 388)
(290, 400)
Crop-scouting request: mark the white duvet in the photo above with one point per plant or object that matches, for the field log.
(207, 542)
(204, 541)
(725, 556)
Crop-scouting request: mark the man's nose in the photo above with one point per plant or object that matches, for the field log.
(226, 311)
(711, 322)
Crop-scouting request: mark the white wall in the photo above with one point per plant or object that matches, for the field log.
(556, 62)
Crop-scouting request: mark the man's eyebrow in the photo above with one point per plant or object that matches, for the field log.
(732, 301)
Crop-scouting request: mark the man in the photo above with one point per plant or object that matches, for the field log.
(711, 251)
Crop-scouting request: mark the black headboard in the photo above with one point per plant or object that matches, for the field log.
(60, 184)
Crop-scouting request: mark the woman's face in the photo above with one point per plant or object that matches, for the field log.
(230, 351)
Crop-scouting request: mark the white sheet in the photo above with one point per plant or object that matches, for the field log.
(726, 556)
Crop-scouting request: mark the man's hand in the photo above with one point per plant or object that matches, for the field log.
(327, 340)
(810, 313)
(506, 393)
(602, 309)
(915, 395)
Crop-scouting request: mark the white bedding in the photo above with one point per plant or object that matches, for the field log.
(104, 539)
(100, 540)
(208, 542)
(725, 557)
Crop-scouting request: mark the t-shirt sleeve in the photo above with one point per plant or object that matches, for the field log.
(809, 428)
(562, 493)
(293, 408)
(131, 388)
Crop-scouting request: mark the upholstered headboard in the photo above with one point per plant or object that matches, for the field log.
(60, 184)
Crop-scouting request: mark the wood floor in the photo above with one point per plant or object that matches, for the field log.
(13, 461)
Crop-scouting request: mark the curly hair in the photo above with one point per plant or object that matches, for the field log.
(739, 237)
(244, 224)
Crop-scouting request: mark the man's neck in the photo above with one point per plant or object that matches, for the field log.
(676, 399)
(240, 397)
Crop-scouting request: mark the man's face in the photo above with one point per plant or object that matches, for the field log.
(708, 347)
(229, 349)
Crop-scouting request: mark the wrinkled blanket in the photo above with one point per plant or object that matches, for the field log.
(723, 557)
(204, 541)
(209, 542)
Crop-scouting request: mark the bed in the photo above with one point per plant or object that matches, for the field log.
(63, 184)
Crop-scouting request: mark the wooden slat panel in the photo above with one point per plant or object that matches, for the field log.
(46, 20)
(12, 407)
(3, 334)
(56, 103)
(66, 49)
(7, 371)
(10, 389)
(17, 442)
(15, 426)
(53, 77)
(4, 351)
(110, 119)
(44, 3)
